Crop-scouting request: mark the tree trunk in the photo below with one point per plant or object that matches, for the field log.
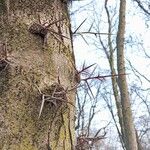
(110, 57)
(130, 135)
(36, 76)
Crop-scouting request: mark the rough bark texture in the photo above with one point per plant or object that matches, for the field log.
(36, 69)
(130, 135)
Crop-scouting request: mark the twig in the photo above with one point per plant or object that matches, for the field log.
(79, 26)
(94, 33)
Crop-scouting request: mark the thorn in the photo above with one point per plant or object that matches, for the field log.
(79, 26)
(42, 105)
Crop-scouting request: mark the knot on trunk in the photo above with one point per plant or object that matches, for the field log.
(38, 29)
(3, 56)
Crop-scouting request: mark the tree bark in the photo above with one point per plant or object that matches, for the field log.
(110, 57)
(36, 75)
(130, 134)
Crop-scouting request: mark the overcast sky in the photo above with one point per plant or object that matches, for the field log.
(135, 28)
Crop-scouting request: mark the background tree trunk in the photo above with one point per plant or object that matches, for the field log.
(130, 134)
(110, 57)
(36, 68)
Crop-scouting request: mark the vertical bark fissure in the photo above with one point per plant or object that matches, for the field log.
(130, 135)
(70, 133)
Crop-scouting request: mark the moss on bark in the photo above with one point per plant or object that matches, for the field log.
(34, 66)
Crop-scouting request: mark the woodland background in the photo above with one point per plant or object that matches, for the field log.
(95, 25)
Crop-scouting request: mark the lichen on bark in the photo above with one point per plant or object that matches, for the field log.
(33, 68)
